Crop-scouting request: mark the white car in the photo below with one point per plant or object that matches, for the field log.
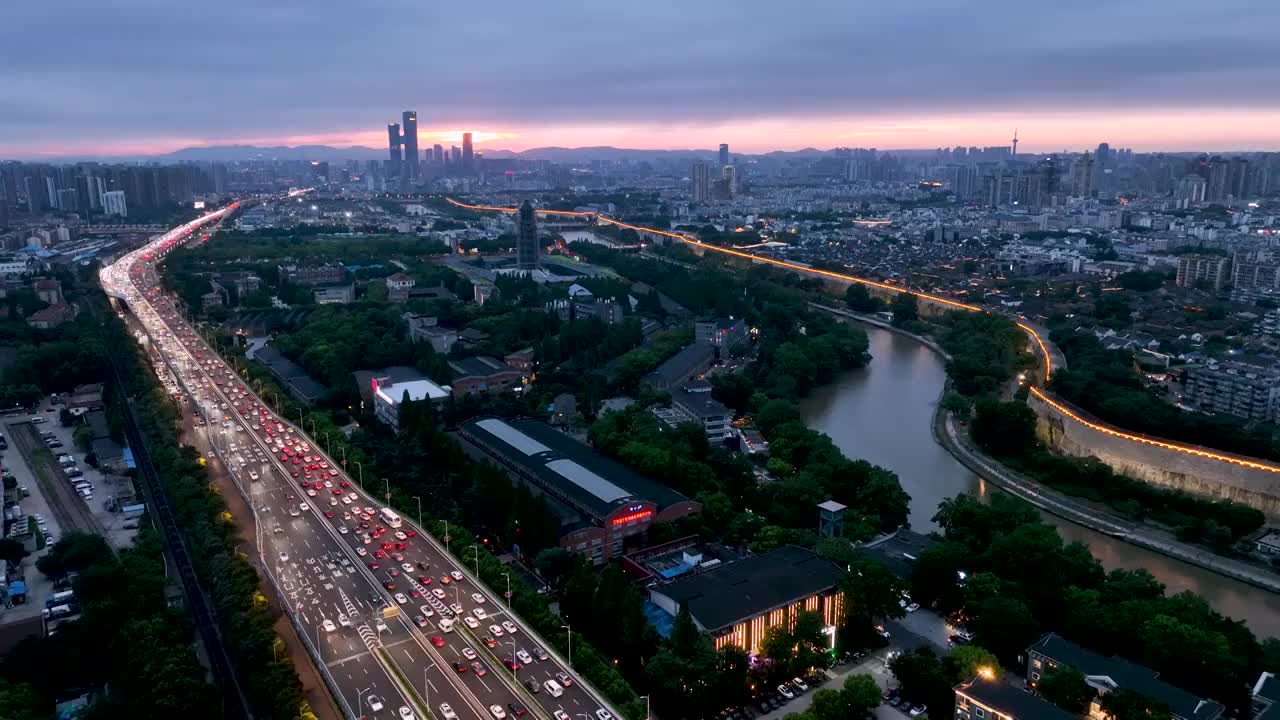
(407, 567)
(495, 631)
(509, 626)
(343, 620)
(560, 715)
(471, 622)
(604, 714)
(375, 702)
(406, 713)
(438, 593)
(361, 551)
(284, 556)
(426, 611)
(401, 536)
(478, 598)
(400, 598)
(456, 608)
(456, 575)
(786, 692)
(346, 500)
(311, 492)
(333, 501)
(253, 474)
(342, 530)
(328, 625)
(447, 712)
(479, 613)
(525, 657)
(468, 653)
(328, 483)
(304, 507)
(497, 712)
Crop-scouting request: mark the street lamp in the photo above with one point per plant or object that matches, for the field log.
(514, 666)
(446, 536)
(360, 701)
(415, 497)
(343, 448)
(476, 550)
(570, 631)
(646, 707)
(426, 684)
(508, 577)
(388, 495)
(326, 439)
(361, 466)
(300, 423)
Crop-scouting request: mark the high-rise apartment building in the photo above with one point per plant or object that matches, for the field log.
(1255, 271)
(114, 203)
(1191, 188)
(468, 155)
(527, 249)
(437, 154)
(1082, 176)
(729, 174)
(724, 154)
(699, 181)
(1211, 269)
(1245, 391)
(410, 118)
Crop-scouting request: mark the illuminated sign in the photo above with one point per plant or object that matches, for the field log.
(198, 205)
(631, 517)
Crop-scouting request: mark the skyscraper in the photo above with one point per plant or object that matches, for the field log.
(114, 203)
(699, 181)
(394, 155)
(410, 118)
(729, 174)
(527, 249)
(468, 155)
(1082, 176)
(724, 154)
(437, 154)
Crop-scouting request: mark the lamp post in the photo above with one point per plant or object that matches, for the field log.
(300, 423)
(508, 577)
(388, 495)
(343, 448)
(415, 497)
(361, 466)
(446, 536)
(570, 631)
(360, 701)
(646, 707)
(514, 666)
(476, 549)
(313, 426)
(426, 684)
(326, 439)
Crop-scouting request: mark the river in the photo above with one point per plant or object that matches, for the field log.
(883, 413)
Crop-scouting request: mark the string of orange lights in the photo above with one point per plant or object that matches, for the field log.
(1031, 332)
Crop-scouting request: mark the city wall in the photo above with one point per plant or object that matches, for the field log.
(1165, 467)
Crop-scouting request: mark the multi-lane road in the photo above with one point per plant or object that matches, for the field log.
(399, 627)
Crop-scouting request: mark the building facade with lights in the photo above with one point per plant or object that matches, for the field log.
(603, 506)
(737, 602)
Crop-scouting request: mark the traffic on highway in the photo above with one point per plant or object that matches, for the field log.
(399, 627)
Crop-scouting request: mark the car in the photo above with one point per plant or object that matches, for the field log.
(374, 702)
(497, 712)
(328, 625)
(478, 598)
(958, 640)
(471, 622)
(517, 709)
(389, 585)
(916, 710)
(328, 514)
(426, 611)
(489, 642)
(425, 580)
(882, 632)
(304, 507)
(525, 657)
(786, 692)
(509, 626)
(446, 712)
(437, 640)
(479, 668)
(564, 678)
(799, 684)
(468, 653)
(343, 529)
(445, 580)
(456, 608)
(400, 535)
(560, 715)
(412, 533)
(420, 621)
(284, 556)
(395, 572)
(604, 714)
(406, 713)
(361, 551)
(459, 666)
(311, 492)
(479, 613)
(438, 593)
(511, 663)
(896, 700)
(496, 630)
(343, 620)
(407, 567)
(456, 575)
(539, 653)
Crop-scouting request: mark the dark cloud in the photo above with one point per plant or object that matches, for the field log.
(140, 69)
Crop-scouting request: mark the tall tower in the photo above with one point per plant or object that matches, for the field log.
(468, 155)
(527, 238)
(1014, 152)
(699, 181)
(394, 156)
(437, 153)
(410, 118)
(724, 154)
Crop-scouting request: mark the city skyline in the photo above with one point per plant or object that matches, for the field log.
(1152, 76)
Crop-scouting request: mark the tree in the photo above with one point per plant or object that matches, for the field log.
(859, 300)
(1126, 704)
(862, 695)
(905, 308)
(872, 591)
(969, 660)
(1065, 687)
(12, 551)
(923, 679)
(1004, 428)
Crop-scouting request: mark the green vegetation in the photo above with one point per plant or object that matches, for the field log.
(986, 351)
(1104, 383)
(126, 638)
(926, 679)
(1011, 578)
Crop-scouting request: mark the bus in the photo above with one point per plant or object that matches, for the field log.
(390, 518)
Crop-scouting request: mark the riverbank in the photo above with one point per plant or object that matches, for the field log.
(947, 434)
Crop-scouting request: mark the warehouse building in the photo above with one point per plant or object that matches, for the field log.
(602, 504)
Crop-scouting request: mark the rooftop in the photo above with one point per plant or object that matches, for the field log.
(1010, 701)
(394, 392)
(478, 366)
(681, 365)
(1128, 675)
(592, 480)
(742, 589)
(698, 404)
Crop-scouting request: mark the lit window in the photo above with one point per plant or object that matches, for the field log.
(978, 712)
(1036, 663)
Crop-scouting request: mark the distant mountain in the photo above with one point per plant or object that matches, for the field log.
(227, 153)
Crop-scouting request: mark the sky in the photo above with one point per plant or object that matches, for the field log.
(133, 77)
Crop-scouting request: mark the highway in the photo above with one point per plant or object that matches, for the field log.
(339, 566)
